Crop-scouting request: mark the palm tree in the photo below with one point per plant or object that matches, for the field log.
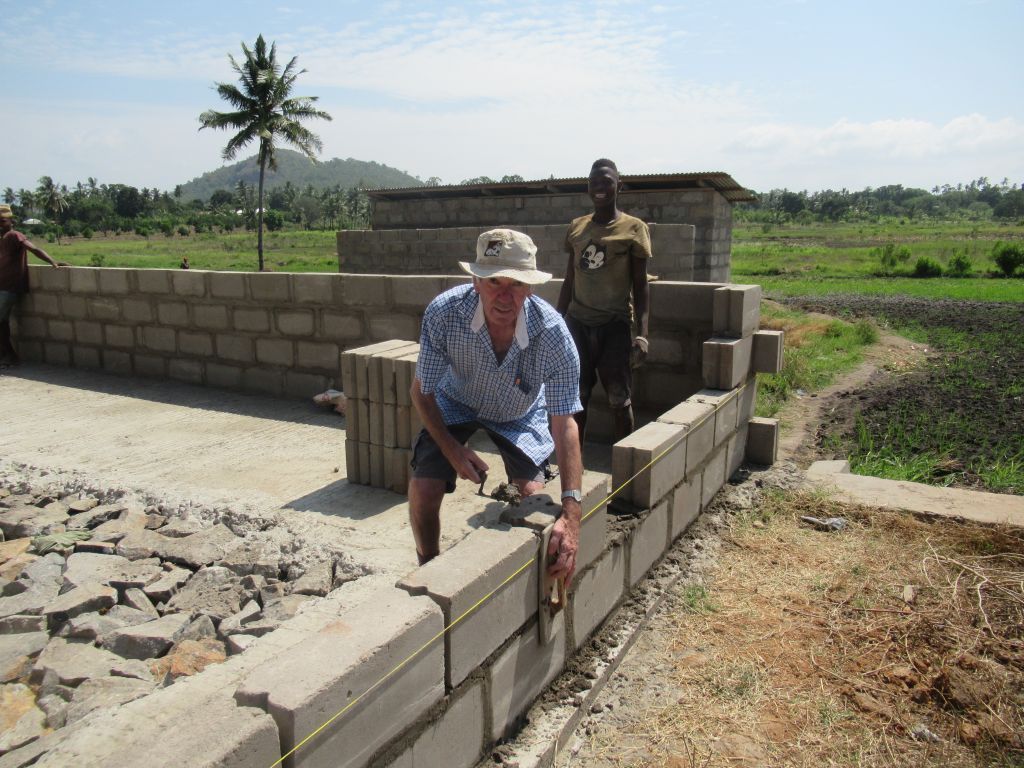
(53, 200)
(265, 110)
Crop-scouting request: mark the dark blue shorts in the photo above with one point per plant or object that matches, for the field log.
(429, 462)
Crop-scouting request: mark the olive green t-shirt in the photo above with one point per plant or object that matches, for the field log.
(601, 254)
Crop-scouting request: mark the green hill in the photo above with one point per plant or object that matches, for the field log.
(300, 171)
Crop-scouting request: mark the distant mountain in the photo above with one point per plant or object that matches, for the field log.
(300, 171)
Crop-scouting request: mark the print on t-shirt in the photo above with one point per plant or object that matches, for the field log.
(592, 257)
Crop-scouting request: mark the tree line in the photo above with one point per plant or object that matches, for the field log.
(979, 200)
(90, 207)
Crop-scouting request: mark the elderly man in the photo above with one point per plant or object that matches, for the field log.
(496, 358)
(14, 250)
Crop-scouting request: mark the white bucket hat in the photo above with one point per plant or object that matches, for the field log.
(506, 253)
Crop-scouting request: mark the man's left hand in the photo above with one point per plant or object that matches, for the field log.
(562, 546)
(639, 352)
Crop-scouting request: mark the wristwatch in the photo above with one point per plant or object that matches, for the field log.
(574, 495)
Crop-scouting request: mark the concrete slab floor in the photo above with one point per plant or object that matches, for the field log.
(179, 442)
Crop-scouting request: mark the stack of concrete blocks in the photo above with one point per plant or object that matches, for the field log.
(381, 421)
(439, 251)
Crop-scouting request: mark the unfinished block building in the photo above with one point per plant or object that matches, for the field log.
(437, 667)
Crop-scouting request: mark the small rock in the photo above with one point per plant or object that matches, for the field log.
(155, 521)
(214, 592)
(17, 652)
(90, 626)
(189, 657)
(969, 733)
(135, 668)
(238, 643)
(21, 721)
(137, 599)
(16, 625)
(317, 580)
(82, 505)
(72, 662)
(89, 597)
(105, 692)
(161, 590)
(148, 640)
(232, 625)
(200, 629)
(55, 709)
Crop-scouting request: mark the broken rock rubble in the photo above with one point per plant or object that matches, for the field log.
(152, 595)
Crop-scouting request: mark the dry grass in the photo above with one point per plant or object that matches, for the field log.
(835, 649)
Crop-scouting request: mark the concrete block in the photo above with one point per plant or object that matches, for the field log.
(594, 526)
(376, 465)
(713, 476)
(185, 370)
(322, 355)
(313, 288)
(348, 374)
(700, 442)
(226, 376)
(736, 451)
(265, 286)
(157, 338)
(376, 411)
(415, 291)
(403, 435)
(737, 310)
(251, 320)
(62, 330)
(172, 313)
(405, 373)
(188, 723)
(682, 304)
(360, 357)
(389, 428)
(200, 344)
(648, 541)
(88, 332)
(688, 413)
(362, 420)
(149, 365)
(725, 362)
(461, 576)
(305, 385)
(83, 279)
(380, 377)
(230, 347)
(455, 738)
(521, 672)
(659, 461)
(119, 336)
(393, 326)
(153, 280)
(48, 279)
(227, 285)
(595, 593)
(364, 462)
(275, 352)
(103, 308)
(86, 357)
(73, 307)
(295, 322)
(685, 506)
(188, 282)
(726, 404)
(339, 326)
(763, 441)
(262, 380)
(747, 406)
(366, 290)
(210, 316)
(137, 310)
(115, 280)
(767, 351)
(351, 461)
(331, 669)
(390, 363)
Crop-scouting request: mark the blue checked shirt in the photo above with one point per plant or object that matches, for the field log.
(539, 375)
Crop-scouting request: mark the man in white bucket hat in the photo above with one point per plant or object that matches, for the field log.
(494, 357)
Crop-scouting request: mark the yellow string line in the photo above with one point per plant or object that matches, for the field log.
(466, 613)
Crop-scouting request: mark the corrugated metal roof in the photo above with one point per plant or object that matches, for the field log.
(717, 180)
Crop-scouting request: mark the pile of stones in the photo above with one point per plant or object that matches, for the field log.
(146, 595)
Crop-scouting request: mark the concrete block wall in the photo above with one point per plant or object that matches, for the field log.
(282, 334)
(439, 251)
(706, 210)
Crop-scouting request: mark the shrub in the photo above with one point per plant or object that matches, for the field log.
(183, 231)
(890, 255)
(959, 265)
(87, 233)
(96, 260)
(926, 266)
(1009, 257)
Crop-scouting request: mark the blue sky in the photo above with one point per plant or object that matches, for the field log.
(804, 94)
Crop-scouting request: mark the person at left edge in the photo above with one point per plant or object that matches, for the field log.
(495, 357)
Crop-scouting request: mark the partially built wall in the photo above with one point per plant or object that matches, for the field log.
(428, 230)
(437, 668)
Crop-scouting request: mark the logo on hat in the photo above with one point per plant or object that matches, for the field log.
(493, 249)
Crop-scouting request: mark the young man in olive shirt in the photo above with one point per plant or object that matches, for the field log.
(14, 250)
(605, 291)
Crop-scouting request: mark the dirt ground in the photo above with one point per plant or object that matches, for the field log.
(894, 642)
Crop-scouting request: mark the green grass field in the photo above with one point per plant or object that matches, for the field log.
(289, 251)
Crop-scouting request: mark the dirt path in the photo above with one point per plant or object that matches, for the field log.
(755, 659)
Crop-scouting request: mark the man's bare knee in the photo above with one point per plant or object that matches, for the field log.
(528, 487)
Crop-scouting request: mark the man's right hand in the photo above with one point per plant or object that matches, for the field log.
(468, 465)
